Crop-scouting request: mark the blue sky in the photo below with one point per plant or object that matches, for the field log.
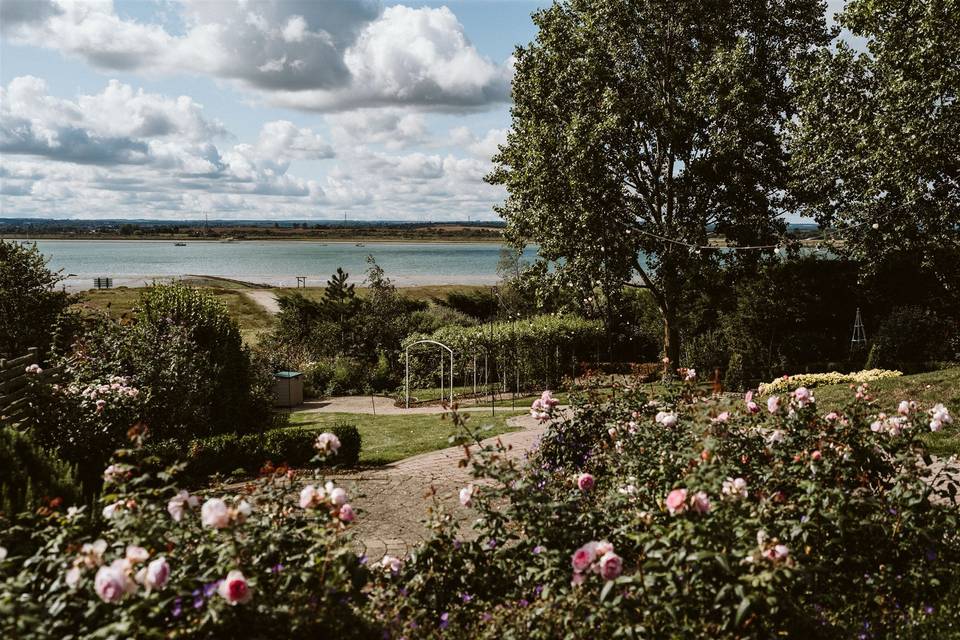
(282, 109)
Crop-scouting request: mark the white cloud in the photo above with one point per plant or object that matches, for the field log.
(392, 128)
(302, 54)
(483, 147)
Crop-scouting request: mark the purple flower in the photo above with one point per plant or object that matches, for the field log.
(486, 617)
(197, 602)
(928, 609)
(177, 608)
(404, 592)
(537, 550)
(457, 544)
(444, 620)
(363, 558)
(466, 597)
(538, 590)
(210, 588)
(277, 568)
(491, 543)
(523, 602)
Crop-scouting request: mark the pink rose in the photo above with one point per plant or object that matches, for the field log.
(466, 495)
(583, 557)
(338, 497)
(602, 548)
(803, 397)
(611, 565)
(903, 408)
(585, 482)
(327, 443)
(136, 554)
(773, 404)
(180, 503)
(111, 582)
(215, 514)
(701, 502)
(722, 417)
(677, 501)
(815, 455)
(234, 589)
(346, 513)
(310, 497)
(547, 400)
(157, 573)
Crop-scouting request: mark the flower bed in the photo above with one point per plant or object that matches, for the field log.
(810, 380)
(640, 518)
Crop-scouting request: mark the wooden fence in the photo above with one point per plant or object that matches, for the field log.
(14, 400)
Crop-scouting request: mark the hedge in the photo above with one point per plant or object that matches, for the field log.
(29, 473)
(541, 349)
(227, 453)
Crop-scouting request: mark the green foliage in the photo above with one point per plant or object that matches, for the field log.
(230, 453)
(600, 169)
(834, 530)
(875, 143)
(302, 575)
(733, 379)
(187, 354)
(29, 303)
(911, 338)
(793, 316)
(705, 352)
(480, 304)
(541, 349)
(29, 473)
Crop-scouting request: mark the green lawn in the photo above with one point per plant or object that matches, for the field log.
(390, 438)
(925, 388)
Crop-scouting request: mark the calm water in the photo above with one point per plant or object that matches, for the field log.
(272, 262)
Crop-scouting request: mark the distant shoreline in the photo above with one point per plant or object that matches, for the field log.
(337, 240)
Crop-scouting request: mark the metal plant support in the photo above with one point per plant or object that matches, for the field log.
(407, 379)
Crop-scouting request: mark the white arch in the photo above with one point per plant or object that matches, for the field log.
(407, 378)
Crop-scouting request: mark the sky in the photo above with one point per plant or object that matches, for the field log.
(255, 109)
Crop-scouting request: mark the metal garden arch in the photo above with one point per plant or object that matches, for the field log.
(407, 380)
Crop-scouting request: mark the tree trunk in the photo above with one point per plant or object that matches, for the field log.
(671, 341)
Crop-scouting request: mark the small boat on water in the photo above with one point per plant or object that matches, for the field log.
(179, 244)
(360, 244)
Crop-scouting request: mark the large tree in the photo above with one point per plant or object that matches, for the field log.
(877, 143)
(641, 125)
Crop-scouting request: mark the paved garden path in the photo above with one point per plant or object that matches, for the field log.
(394, 499)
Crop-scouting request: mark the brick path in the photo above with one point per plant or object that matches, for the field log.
(393, 500)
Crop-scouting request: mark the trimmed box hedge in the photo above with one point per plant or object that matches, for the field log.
(229, 453)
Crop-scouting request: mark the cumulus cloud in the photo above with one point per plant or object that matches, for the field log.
(16, 13)
(483, 147)
(392, 128)
(152, 148)
(315, 56)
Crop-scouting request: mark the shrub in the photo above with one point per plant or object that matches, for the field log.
(733, 379)
(711, 521)
(705, 351)
(228, 453)
(29, 301)
(29, 473)
(789, 383)
(188, 355)
(250, 562)
(479, 304)
(542, 349)
(912, 337)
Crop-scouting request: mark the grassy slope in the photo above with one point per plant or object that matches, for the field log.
(925, 388)
(425, 292)
(390, 438)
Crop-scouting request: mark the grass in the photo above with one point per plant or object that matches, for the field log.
(390, 438)
(927, 389)
(250, 316)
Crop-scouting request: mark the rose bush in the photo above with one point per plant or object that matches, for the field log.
(242, 561)
(721, 521)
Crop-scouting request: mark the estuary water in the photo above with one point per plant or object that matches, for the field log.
(271, 262)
